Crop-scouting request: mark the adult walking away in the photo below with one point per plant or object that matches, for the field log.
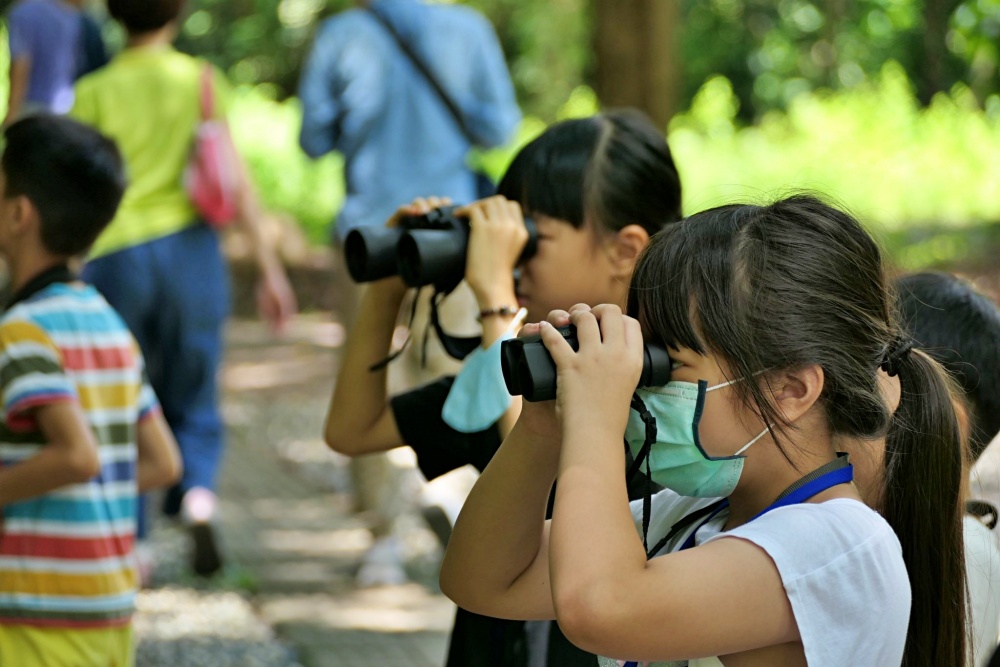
(402, 89)
(369, 91)
(157, 264)
(52, 42)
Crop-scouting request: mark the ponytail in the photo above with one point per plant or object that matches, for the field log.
(924, 470)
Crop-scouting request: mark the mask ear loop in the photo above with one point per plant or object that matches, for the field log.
(647, 446)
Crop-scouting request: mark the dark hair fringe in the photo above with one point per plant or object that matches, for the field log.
(609, 170)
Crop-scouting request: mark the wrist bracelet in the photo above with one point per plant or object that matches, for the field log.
(499, 311)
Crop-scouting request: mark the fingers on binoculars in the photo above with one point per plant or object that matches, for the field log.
(529, 329)
(558, 318)
(555, 343)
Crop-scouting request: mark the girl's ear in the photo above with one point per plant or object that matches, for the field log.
(628, 243)
(795, 392)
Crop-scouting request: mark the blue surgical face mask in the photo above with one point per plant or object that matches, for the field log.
(663, 425)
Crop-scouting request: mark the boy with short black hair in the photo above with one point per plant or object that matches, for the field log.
(80, 429)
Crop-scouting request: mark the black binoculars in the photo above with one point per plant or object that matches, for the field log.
(529, 371)
(423, 250)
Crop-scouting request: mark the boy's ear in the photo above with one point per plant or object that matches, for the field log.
(796, 391)
(23, 214)
(628, 242)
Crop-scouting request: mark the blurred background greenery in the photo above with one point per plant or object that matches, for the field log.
(892, 107)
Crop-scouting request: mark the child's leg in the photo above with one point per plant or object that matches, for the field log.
(28, 646)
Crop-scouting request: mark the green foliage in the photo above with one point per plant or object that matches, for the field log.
(770, 50)
(548, 48)
(266, 133)
(257, 42)
(773, 51)
(264, 42)
(873, 148)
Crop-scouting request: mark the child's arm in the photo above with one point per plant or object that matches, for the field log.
(497, 560)
(720, 598)
(159, 462)
(359, 420)
(496, 240)
(70, 457)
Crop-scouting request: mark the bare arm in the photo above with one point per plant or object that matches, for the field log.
(70, 457)
(275, 299)
(496, 240)
(20, 74)
(497, 558)
(360, 420)
(159, 462)
(603, 588)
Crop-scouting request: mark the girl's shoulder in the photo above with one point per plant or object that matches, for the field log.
(811, 536)
(842, 568)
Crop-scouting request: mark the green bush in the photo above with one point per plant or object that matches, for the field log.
(872, 148)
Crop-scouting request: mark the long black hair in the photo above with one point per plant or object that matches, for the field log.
(959, 327)
(610, 170)
(799, 283)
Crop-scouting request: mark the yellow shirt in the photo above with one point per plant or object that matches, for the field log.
(148, 100)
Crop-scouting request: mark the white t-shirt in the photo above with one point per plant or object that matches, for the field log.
(984, 483)
(982, 569)
(981, 562)
(841, 566)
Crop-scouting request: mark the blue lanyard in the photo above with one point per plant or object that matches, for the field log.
(839, 471)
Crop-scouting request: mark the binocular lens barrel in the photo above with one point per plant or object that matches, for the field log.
(371, 253)
(529, 371)
(431, 256)
(427, 249)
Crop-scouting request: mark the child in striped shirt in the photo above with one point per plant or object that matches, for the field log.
(81, 432)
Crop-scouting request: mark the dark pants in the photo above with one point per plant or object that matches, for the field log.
(173, 293)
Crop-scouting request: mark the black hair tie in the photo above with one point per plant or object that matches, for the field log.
(896, 352)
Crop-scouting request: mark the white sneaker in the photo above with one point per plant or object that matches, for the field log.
(382, 565)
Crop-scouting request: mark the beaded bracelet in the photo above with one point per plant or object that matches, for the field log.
(499, 311)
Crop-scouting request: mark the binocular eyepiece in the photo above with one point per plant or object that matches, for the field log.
(529, 371)
(423, 250)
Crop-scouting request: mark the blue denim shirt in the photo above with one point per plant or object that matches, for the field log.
(361, 96)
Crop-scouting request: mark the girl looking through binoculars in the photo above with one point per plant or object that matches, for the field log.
(597, 189)
(759, 551)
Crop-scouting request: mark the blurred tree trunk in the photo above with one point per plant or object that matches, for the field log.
(637, 62)
(934, 77)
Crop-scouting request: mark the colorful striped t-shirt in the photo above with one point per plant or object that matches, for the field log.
(66, 557)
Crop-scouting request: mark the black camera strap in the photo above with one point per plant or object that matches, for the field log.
(409, 327)
(457, 347)
(420, 66)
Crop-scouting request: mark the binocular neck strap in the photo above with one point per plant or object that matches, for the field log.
(409, 326)
(456, 347)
